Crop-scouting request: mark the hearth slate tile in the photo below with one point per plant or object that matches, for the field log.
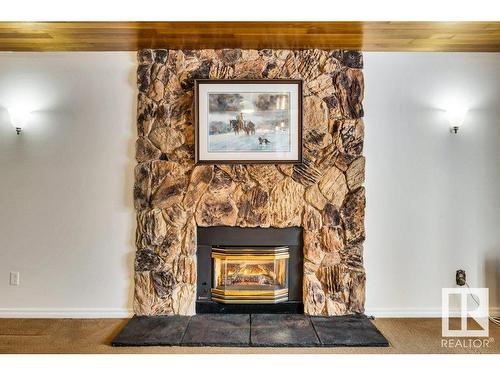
(218, 330)
(282, 330)
(349, 330)
(152, 330)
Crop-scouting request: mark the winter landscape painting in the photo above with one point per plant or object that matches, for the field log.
(249, 121)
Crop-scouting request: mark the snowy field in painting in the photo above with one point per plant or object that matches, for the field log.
(230, 142)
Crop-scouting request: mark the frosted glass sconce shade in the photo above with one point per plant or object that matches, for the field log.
(456, 117)
(18, 118)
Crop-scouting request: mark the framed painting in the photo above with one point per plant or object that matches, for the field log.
(248, 121)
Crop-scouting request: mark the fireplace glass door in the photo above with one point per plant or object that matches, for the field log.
(250, 275)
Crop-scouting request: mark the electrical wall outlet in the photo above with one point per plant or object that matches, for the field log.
(460, 278)
(14, 278)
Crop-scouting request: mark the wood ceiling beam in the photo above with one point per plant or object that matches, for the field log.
(364, 36)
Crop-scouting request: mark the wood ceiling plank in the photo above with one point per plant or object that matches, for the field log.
(365, 36)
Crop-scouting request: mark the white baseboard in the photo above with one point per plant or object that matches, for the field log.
(404, 313)
(415, 313)
(65, 313)
(127, 313)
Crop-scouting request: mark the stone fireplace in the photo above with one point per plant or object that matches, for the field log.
(323, 195)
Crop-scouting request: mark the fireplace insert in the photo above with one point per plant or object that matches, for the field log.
(250, 274)
(249, 270)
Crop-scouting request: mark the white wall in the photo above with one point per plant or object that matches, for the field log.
(433, 198)
(66, 215)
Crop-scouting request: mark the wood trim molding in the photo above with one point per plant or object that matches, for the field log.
(363, 36)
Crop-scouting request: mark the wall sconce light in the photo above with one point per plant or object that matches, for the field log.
(456, 117)
(18, 118)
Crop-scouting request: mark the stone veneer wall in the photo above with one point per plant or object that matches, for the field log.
(324, 194)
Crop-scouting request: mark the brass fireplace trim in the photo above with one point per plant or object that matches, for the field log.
(250, 301)
(243, 253)
(250, 293)
(250, 296)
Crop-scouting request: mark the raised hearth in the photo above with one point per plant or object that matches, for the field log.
(255, 330)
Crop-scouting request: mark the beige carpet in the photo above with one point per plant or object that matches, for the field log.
(95, 335)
